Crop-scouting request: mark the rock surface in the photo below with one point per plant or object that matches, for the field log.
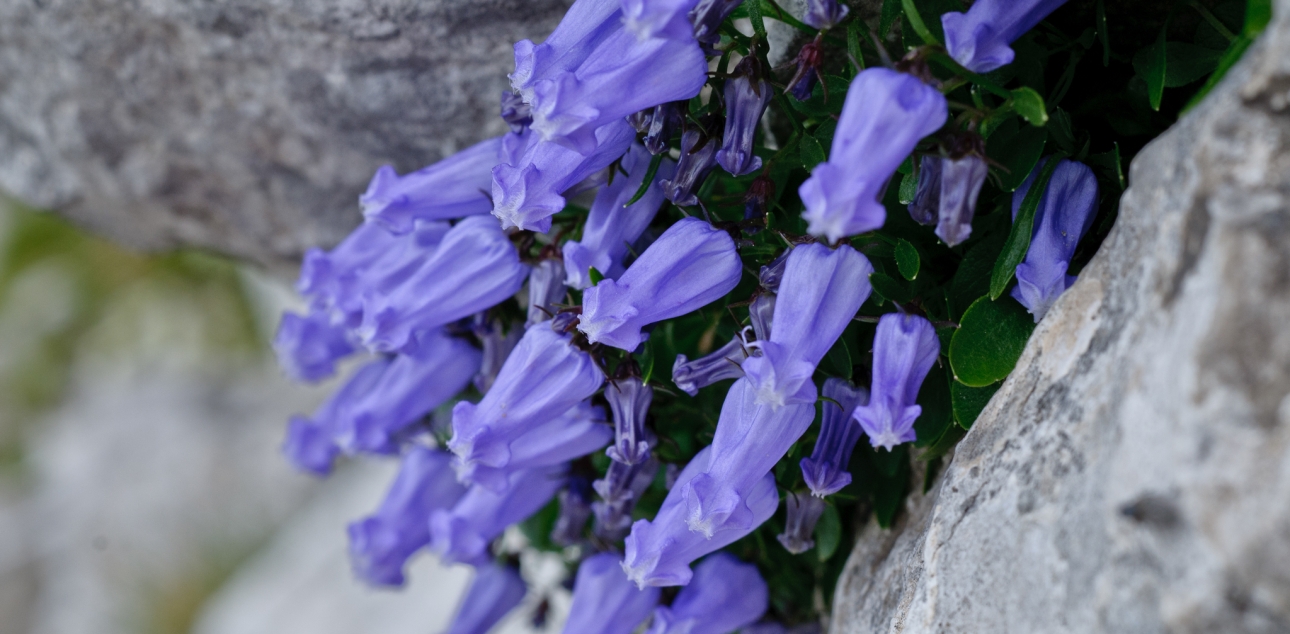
(244, 126)
(1133, 474)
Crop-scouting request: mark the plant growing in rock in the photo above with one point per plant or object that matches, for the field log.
(832, 239)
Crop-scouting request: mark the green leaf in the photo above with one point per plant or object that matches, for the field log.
(938, 413)
(595, 275)
(1110, 164)
(989, 341)
(1030, 105)
(972, 279)
(952, 435)
(828, 533)
(969, 401)
(891, 12)
(916, 21)
(839, 358)
(1018, 149)
(889, 288)
(646, 360)
(1014, 250)
(1151, 64)
(1186, 63)
(537, 528)
(908, 187)
(812, 152)
(649, 180)
(1102, 34)
(907, 259)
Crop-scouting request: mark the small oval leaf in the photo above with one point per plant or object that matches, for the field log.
(989, 341)
(907, 260)
(812, 152)
(969, 401)
(828, 533)
(1030, 106)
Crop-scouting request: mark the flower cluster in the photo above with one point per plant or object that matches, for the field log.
(515, 305)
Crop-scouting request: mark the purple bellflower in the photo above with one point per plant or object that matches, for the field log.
(494, 592)
(311, 443)
(544, 378)
(586, 24)
(575, 433)
(824, 14)
(669, 19)
(575, 510)
(719, 365)
(769, 276)
(825, 472)
(904, 349)
(611, 225)
(660, 123)
(309, 346)
(455, 187)
(497, 345)
(809, 60)
(516, 113)
(820, 294)
(475, 267)
(961, 181)
(751, 437)
(698, 159)
(979, 39)
(629, 400)
(462, 534)
(659, 552)
(884, 116)
(428, 372)
(546, 289)
(604, 601)
(326, 277)
(725, 595)
(1064, 215)
(380, 544)
(529, 184)
(691, 265)
(747, 95)
(707, 17)
(619, 490)
(622, 76)
(926, 206)
(803, 513)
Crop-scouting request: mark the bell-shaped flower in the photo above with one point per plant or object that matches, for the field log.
(529, 184)
(604, 601)
(350, 285)
(546, 290)
(980, 38)
(691, 265)
(925, 208)
(573, 434)
(497, 342)
(961, 181)
(453, 188)
(380, 544)
(622, 76)
(620, 490)
(757, 202)
(575, 510)
(309, 346)
(725, 595)
(475, 267)
(698, 159)
(327, 276)
(904, 349)
(884, 116)
(809, 60)
(612, 225)
(718, 365)
(584, 26)
(825, 472)
(824, 14)
(750, 438)
(707, 17)
(659, 551)
(821, 292)
(629, 400)
(803, 513)
(659, 18)
(495, 591)
(425, 375)
(770, 276)
(747, 95)
(311, 444)
(542, 380)
(665, 119)
(1064, 215)
(462, 534)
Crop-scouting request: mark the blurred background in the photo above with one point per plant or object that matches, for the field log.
(141, 490)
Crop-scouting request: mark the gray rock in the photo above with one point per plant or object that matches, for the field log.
(1133, 474)
(244, 126)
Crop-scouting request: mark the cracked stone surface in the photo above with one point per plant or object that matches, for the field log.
(244, 126)
(1133, 474)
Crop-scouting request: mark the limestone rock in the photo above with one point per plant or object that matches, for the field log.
(1133, 474)
(244, 126)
